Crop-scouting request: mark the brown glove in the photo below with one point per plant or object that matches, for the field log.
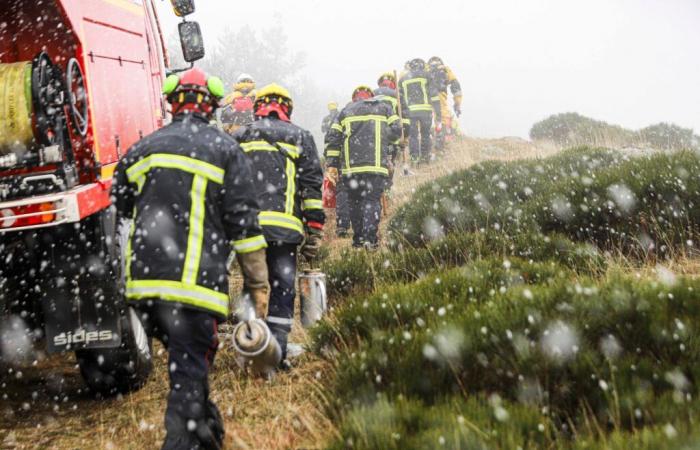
(255, 279)
(332, 175)
(310, 247)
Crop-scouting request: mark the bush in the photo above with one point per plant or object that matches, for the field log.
(620, 352)
(636, 205)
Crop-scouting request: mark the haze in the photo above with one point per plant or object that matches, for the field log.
(629, 62)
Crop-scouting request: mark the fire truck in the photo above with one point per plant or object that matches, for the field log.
(80, 82)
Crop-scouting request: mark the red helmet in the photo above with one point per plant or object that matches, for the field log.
(193, 91)
(362, 93)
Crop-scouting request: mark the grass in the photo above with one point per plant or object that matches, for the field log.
(496, 321)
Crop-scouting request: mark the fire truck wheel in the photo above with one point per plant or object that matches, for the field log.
(109, 372)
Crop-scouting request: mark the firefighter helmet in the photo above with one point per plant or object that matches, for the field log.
(332, 106)
(417, 64)
(435, 61)
(273, 98)
(362, 92)
(245, 78)
(387, 79)
(193, 91)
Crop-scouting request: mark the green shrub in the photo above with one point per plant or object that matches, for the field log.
(357, 271)
(617, 349)
(488, 196)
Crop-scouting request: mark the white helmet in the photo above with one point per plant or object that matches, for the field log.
(244, 77)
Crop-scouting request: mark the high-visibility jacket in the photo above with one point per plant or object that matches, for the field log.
(444, 78)
(421, 94)
(328, 121)
(237, 107)
(189, 189)
(287, 175)
(389, 96)
(359, 140)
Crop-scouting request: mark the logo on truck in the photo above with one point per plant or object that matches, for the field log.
(81, 336)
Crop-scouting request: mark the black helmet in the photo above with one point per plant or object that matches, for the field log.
(435, 61)
(417, 64)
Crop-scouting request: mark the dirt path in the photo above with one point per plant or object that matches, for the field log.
(43, 405)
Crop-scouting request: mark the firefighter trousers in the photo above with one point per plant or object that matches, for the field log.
(342, 207)
(191, 338)
(282, 269)
(419, 142)
(364, 194)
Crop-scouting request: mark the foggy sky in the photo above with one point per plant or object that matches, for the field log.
(628, 62)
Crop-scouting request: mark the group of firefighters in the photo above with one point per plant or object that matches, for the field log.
(192, 192)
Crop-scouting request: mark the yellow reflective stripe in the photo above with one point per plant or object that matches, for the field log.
(196, 233)
(366, 118)
(422, 82)
(249, 245)
(435, 99)
(168, 161)
(313, 203)
(177, 291)
(406, 121)
(378, 143)
(291, 187)
(387, 98)
(333, 153)
(263, 146)
(393, 119)
(278, 219)
(337, 127)
(366, 169)
(420, 108)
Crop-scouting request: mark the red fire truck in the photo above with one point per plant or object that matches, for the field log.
(80, 82)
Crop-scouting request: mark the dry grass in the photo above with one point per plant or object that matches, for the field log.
(46, 408)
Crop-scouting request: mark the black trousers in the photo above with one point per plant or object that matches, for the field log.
(342, 206)
(192, 421)
(365, 192)
(282, 270)
(419, 142)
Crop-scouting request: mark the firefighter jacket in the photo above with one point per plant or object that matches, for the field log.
(287, 176)
(389, 96)
(421, 94)
(443, 77)
(189, 189)
(238, 106)
(328, 121)
(360, 139)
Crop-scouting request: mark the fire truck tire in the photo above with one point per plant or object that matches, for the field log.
(109, 372)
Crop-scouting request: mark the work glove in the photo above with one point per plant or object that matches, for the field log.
(312, 243)
(255, 280)
(332, 175)
(458, 109)
(438, 127)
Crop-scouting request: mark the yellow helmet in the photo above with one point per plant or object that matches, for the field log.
(362, 92)
(274, 98)
(332, 106)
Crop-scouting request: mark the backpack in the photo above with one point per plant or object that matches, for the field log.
(242, 104)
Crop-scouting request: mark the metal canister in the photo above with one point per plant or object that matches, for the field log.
(257, 347)
(312, 291)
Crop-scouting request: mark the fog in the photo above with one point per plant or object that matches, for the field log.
(628, 62)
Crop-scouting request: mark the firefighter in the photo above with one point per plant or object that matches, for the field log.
(358, 147)
(443, 77)
(238, 106)
(330, 118)
(386, 92)
(188, 190)
(422, 99)
(288, 180)
(342, 207)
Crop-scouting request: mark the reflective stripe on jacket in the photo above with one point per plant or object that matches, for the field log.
(188, 188)
(421, 94)
(359, 140)
(287, 175)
